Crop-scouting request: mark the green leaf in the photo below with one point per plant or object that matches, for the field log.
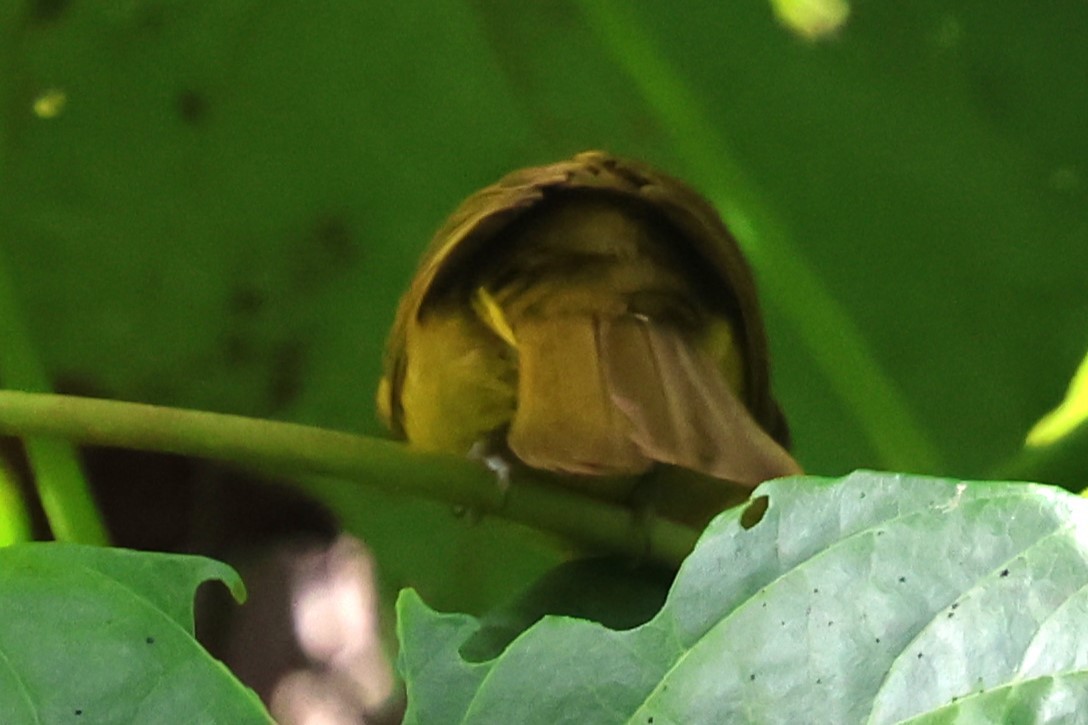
(223, 211)
(95, 635)
(877, 598)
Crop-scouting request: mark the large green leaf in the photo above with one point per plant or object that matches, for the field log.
(224, 208)
(878, 598)
(97, 635)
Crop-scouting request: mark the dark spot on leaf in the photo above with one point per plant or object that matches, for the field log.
(951, 614)
(783, 623)
(878, 640)
(753, 513)
(862, 495)
(288, 368)
(819, 680)
(192, 106)
(902, 579)
(1004, 572)
(47, 11)
(239, 349)
(830, 623)
(650, 719)
(816, 590)
(333, 236)
(752, 677)
(152, 19)
(245, 302)
(880, 533)
(919, 655)
(150, 640)
(955, 605)
(79, 712)
(321, 251)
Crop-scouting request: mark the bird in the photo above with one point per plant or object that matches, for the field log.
(595, 320)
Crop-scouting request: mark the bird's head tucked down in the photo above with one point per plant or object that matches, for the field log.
(593, 318)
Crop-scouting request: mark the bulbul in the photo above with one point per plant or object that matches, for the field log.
(595, 319)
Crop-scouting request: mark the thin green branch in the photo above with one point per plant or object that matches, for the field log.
(14, 520)
(1063, 462)
(289, 449)
(65, 495)
(835, 343)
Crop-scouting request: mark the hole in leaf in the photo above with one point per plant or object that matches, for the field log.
(754, 512)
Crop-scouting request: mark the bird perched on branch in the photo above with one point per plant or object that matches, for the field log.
(594, 319)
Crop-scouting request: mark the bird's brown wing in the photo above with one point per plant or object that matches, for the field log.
(679, 407)
(642, 392)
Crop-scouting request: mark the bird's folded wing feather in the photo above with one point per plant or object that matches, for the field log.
(680, 408)
(613, 395)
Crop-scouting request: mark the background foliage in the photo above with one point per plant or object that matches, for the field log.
(216, 204)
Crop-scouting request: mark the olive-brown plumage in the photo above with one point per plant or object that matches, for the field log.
(592, 318)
